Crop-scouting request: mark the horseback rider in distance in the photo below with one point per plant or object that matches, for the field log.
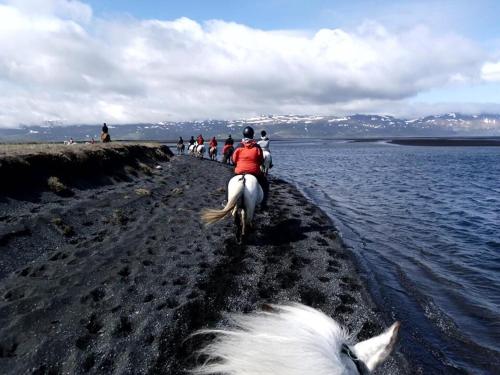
(247, 160)
(200, 140)
(264, 141)
(264, 145)
(105, 137)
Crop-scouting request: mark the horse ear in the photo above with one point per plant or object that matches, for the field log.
(374, 351)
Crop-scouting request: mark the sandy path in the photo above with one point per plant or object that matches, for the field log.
(114, 279)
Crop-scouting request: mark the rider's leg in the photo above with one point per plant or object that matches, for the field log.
(264, 183)
(227, 187)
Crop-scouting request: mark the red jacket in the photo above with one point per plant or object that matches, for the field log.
(248, 158)
(200, 140)
(213, 143)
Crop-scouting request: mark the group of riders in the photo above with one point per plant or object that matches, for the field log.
(248, 158)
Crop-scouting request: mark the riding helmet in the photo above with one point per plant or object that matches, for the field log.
(263, 133)
(248, 132)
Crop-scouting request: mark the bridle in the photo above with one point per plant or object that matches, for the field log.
(357, 362)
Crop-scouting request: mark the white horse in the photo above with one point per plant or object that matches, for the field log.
(212, 153)
(244, 194)
(180, 149)
(268, 161)
(200, 151)
(192, 149)
(292, 340)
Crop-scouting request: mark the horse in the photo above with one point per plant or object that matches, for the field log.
(244, 194)
(291, 340)
(200, 151)
(226, 156)
(180, 148)
(212, 153)
(268, 162)
(192, 149)
(105, 137)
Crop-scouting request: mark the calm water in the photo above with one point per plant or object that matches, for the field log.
(424, 224)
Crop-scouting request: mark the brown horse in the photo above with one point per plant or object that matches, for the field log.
(105, 138)
(226, 156)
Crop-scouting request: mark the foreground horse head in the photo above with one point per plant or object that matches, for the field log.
(292, 340)
(243, 195)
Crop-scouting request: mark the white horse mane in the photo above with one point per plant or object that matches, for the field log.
(291, 340)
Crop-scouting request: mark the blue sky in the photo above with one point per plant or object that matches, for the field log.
(128, 61)
(475, 19)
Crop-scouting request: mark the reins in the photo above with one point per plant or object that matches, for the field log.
(357, 362)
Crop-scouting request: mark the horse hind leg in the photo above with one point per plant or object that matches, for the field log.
(243, 223)
(237, 225)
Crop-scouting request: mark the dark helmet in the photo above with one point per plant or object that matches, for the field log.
(263, 133)
(248, 132)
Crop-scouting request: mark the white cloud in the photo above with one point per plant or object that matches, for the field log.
(490, 72)
(62, 63)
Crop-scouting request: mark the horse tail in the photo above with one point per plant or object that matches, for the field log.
(210, 216)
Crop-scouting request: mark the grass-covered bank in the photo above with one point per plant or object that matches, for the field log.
(24, 167)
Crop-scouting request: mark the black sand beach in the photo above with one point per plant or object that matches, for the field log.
(112, 276)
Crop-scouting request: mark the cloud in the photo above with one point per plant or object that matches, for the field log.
(61, 62)
(490, 72)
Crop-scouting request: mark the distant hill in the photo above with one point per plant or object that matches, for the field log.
(279, 126)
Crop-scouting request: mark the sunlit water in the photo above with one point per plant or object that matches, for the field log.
(424, 225)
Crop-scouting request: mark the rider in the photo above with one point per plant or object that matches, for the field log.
(264, 143)
(191, 141)
(105, 137)
(180, 142)
(247, 160)
(229, 141)
(213, 142)
(200, 140)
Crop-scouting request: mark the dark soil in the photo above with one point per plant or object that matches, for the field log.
(114, 278)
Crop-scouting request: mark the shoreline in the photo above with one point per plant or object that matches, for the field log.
(116, 276)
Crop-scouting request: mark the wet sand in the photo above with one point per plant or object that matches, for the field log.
(114, 278)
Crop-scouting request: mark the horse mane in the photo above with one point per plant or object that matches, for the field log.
(286, 340)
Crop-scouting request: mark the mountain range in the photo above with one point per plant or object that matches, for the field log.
(278, 126)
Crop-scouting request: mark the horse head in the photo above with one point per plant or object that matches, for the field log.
(292, 340)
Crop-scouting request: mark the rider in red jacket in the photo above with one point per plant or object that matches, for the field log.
(200, 140)
(247, 160)
(213, 142)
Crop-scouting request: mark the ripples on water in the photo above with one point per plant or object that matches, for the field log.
(424, 224)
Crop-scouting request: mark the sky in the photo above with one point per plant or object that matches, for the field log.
(124, 61)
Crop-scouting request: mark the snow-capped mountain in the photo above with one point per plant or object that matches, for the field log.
(279, 126)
